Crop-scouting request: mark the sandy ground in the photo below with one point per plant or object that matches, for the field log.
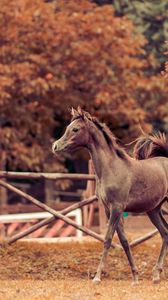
(64, 271)
(81, 290)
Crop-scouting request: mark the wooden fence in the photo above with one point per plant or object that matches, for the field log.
(55, 215)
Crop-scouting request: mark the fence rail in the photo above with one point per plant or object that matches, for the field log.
(52, 176)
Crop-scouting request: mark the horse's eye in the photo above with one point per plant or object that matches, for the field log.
(75, 129)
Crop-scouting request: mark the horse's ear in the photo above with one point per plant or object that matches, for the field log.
(74, 112)
(80, 111)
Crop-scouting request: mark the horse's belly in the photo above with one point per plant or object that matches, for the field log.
(145, 201)
(141, 206)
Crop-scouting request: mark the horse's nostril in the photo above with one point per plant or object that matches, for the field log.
(54, 147)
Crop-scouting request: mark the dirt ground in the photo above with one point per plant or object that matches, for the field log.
(63, 271)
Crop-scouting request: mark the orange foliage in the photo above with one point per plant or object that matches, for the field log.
(62, 54)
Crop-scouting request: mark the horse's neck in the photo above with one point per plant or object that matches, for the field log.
(101, 154)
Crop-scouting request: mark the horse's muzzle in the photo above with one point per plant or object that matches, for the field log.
(54, 147)
(58, 148)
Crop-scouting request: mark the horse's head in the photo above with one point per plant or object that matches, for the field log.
(76, 134)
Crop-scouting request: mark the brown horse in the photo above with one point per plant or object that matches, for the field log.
(122, 183)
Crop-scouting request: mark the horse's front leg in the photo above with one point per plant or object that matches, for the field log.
(112, 226)
(126, 247)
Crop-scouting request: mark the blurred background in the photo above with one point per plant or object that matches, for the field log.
(106, 56)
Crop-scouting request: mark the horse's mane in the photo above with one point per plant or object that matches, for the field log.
(108, 135)
(151, 146)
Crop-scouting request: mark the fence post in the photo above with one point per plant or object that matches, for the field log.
(3, 191)
(48, 188)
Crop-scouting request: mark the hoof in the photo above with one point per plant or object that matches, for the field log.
(156, 276)
(135, 282)
(156, 279)
(96, 280)
(135, 278)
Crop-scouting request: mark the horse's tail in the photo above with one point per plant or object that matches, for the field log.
(151, 146)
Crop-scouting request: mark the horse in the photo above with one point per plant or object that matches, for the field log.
(123, 183)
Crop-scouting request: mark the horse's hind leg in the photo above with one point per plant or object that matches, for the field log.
(163, 219)
(157, 219)
(126, 247)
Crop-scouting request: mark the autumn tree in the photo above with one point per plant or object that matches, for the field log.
(59, 54)
(150, 19)
(165, 71)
